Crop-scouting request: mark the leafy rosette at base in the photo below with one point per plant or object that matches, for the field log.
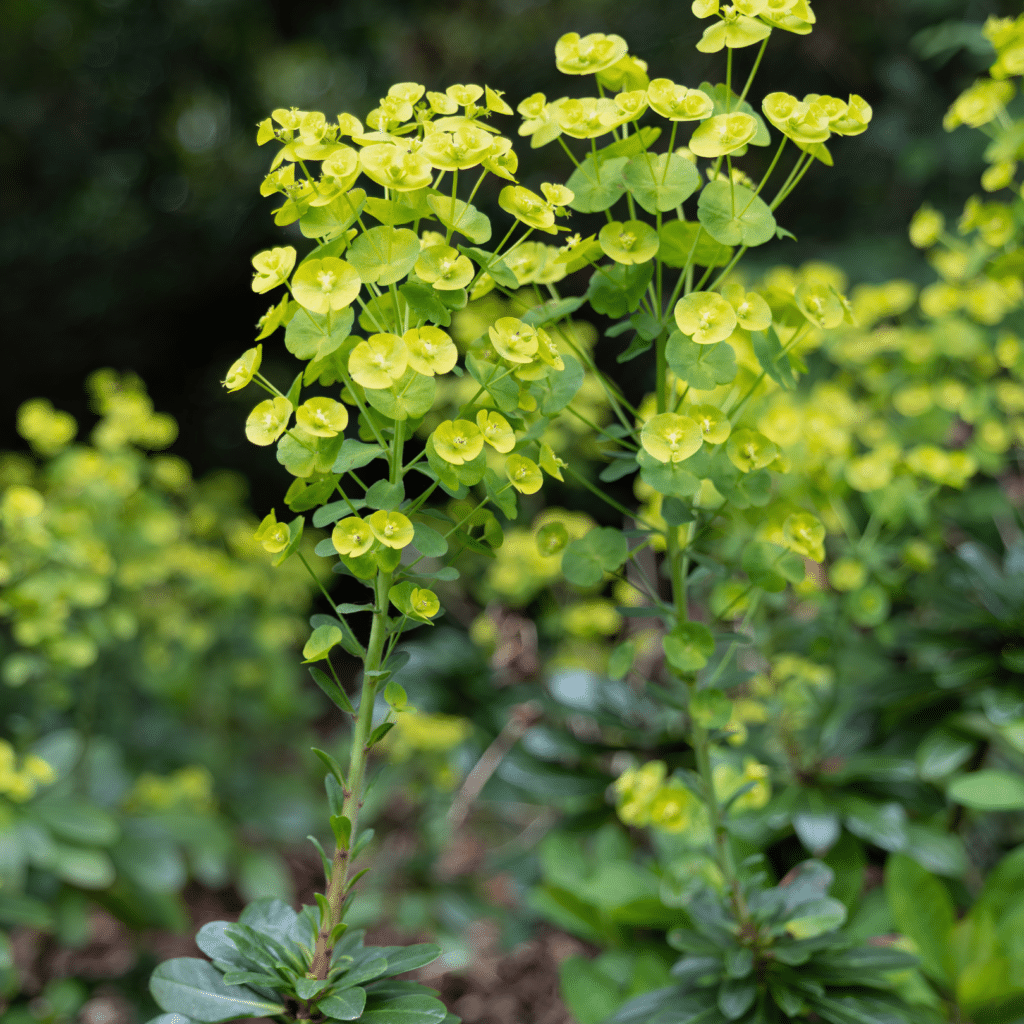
(260, 966)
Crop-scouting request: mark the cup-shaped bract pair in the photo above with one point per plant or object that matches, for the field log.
(378, 361)
(706, 317)
(671, 437)
(677, 102)
(354, 536)
(396, 167)
(272, 268)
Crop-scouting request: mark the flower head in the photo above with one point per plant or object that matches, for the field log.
(528, 207)
(749, 450)
(395, 167)
(424, 603)
(379, 361)
(322, 417)
(752, 312)
(272, 268)
(677, 102)
(268, 421)
(323, 285)
(352, 537)
(445, 268)
(706, 317)
(463, 147)
(713, 424)
(513, 340)
(392, 529)
(430, 351)
(669, 437)
(630, 242)
(722, 134)
(524, 474)
(496, 430)
(458, 441)
(586, 55)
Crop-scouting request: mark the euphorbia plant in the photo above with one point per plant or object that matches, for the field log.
(365, 312)
(707, 476)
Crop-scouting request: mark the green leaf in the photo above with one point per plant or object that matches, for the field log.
(195, 988)
(585, 561)
(881, 824)
(735, 997)
(348, 1004)
(733, 215)
(703, 367)
(379, 733)
(337, 696)
(411, 396)
(936, 850)
(496, 381)
(77, 822)
(616, 291)
(668, 478)
(406, 1010)
(990, 789)
(308, 335)
(621, 660)
(461, 217)
(492, 264)
(590, 995)
(631, 145)
(816, 917)
(551, 311)
(923, 911)
(341, 826)
(942, 752)
(88, 869)
(427, 541)
(597, 186)
(336, 217)
(502, 496)
(687, 649)
(425, 302)
(710, 709)
(618, 469)
(385, 495)
(676, 512)
(662, 182)
(354, 455)
(770, 566)
(772, 358)
(409, 958)
(677, 238)
(384, 255)
(563, 386)
(404, 207)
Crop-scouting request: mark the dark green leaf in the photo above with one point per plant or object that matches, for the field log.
(597, 186)
(354, 455)
(662, 182)
(773, 360)
(195, 988)
(385, 254)
(347, 1004)
(703, 367)
(683, 240)
(616, 290)
(733, 215)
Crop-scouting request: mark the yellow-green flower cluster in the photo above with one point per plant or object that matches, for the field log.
(104, 545)
(189, 789)
(19, 783)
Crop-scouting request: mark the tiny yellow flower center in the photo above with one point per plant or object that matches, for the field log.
(326, 279)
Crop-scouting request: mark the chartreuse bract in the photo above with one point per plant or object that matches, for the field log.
(659, 163)
(395, 246)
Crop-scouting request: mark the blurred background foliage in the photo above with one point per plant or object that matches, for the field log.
(129, 208)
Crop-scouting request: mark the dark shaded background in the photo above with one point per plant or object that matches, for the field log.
(129, 171)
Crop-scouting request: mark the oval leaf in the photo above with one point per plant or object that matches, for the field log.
(195, 988)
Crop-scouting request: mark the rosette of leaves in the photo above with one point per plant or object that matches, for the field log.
(785, 957)
(260, 966)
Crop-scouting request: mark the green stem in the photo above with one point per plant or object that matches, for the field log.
(753, 70)
(355, 784)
